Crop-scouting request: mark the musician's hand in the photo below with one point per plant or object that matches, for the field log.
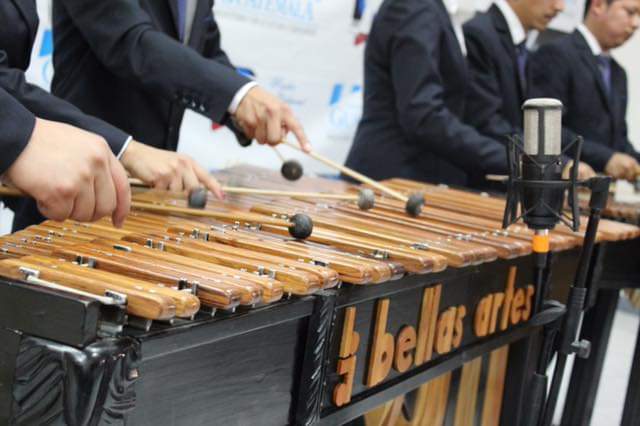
(71, 174)
(584, 171)
(166, 169)
(622, 166)
(267, 119)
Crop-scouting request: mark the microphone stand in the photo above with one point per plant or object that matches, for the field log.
(568, 343)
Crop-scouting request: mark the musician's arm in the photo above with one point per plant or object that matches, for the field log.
(122, 36)
(420, 104)
(44, 105)
(17, 125)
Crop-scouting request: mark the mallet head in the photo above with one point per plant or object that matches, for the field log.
(366, 199)
(415, 204)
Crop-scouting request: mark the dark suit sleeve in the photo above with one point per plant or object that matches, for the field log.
(122, 36)
(422, 112)
(550, 79)
(484, 101)
(44, 105)
(17, 125)
(212, 44)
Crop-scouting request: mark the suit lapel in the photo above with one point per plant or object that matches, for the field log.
(456, 52)
(197, 28)
(618, 96)
(590, 61)
(29, 12)
(504, 34)
(173, 6)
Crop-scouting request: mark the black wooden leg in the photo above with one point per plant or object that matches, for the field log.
(585, 377)
(631, 413)
(307, 411)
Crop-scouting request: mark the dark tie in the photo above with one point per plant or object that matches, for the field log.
(522, 54)
(604, 63)
(182, 17)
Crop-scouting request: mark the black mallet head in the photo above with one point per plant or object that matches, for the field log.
(198, 198)
(291, 170)
(414, 204)
(366, 199)
(301, 226)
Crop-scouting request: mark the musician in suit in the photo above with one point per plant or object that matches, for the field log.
(64, 159)
(139, 64)
(415, 88)
(579, 70)
(497, 55)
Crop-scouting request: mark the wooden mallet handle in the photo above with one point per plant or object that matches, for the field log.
(351, 173)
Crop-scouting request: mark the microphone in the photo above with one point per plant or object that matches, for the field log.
(535, 170)
(542, 162)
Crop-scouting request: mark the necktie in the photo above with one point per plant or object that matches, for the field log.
(604, 63)
(522, 55)
(182, 17)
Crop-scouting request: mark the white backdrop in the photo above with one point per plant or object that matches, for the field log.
(308, 52)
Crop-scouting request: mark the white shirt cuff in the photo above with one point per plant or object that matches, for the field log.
(239, 96)
(124, 147)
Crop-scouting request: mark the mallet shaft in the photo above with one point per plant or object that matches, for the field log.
(352, 173)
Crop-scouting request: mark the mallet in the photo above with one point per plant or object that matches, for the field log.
(413, 203)
(291, 169)
(365, 199)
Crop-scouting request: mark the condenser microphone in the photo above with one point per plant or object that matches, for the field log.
(536, 190)
(541, 161)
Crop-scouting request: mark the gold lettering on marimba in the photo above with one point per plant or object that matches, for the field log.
(483, 316)
(508, 298)
(510, 307)
(382, 348)
(348, 360)
(428, 322)
(526, 313)
(405, 344)
(458, 327)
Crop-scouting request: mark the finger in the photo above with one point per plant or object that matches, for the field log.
(208, 181)
(274, 128)
(105, 193)
(176, 184)
(123, 192)
(59, 209)
(292, 124)
(57, 202)
(189, 179)
(261, 133)
(84, 206)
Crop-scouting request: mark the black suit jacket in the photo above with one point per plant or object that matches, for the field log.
(18, 26)
(414, 99)
(566, 69)
(120, 60)
(494, 101)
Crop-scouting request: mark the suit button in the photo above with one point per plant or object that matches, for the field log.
(202, 108)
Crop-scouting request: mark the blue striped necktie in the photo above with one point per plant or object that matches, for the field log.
(604, 63)
(182, 17)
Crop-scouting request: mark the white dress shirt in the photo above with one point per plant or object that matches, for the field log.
(591, 39)
(516, 29)
(452, 7)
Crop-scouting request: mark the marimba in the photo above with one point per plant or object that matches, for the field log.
(227, 319)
